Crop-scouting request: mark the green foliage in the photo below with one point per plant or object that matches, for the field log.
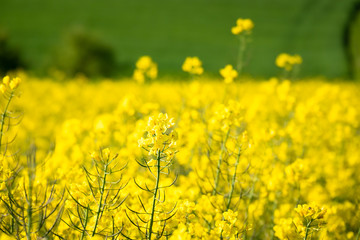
(10, 57)
(169, 31)
(354, 45)
(85, 53)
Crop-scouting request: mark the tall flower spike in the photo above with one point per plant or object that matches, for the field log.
(160, 142)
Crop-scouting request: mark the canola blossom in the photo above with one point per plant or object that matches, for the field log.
(242, 26)
(287, 61)
(269, 159)
(145, 69)
(245, 163)
(228, 73)
(193, 65)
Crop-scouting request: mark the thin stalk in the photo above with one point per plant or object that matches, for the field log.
(29, 200)
(358, 235)
(285, 74)
(3, 116)
(307, 229)
(232, 186)
(242, 47)
(155, 193)
(216, 181)
(113, 228)
(101, 197)
(233, 180)
(85, 223)
(12, 225)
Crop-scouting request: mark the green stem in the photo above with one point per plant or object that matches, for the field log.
(307, 229)
(12, 225)
(31, 169)
(233, 180)
(232, 186)
(101, 197)
(155, 193)
(85, 223)
(285, 74)
(113, 228)
(216, 181)
(242, 47)
(3, 116)
(358, 235)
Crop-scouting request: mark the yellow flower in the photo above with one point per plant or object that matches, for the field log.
(228, 73)
(242, 25)
(193, 65)
(144, 63)
(2, 88)
(106, 153)
(14, 83)
(153, 71)
(159, 135)
(230, 216)
(95, 156)
(311, 211)
(6, 80)
(139, 76)
(145, 67)
(284, 60)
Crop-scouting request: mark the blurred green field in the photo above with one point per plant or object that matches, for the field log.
(170, 30)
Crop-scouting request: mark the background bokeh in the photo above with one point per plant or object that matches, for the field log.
(171, 30)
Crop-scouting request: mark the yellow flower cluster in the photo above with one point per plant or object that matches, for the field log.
(294, 128)
(242, 25)
(228, 73)
(287, 61)
(193, 65)
(145, 69)
(159, 137)
(245, 157)
(310, 212)
(310, 220)
(9, 84)
(226, 116)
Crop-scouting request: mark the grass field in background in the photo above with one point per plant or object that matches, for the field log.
(169, 31)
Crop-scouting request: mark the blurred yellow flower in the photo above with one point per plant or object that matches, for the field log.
(228, 73)
(193, 65)
(2, 88)
(287, 61)
(6, 80)
(14, 83)
(242, 25)
(145, 69)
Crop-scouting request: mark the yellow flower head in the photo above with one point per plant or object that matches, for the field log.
(14, 83)
(145, 68)
(144, 63)
(311, 211)
(193, 65)
(160, 136)
(6, 80)
(228, 73)
(106, 153)
(139, 76)
(9, 83)
(2, 88)
(242, 25)
(95, 156)
(287, 61)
